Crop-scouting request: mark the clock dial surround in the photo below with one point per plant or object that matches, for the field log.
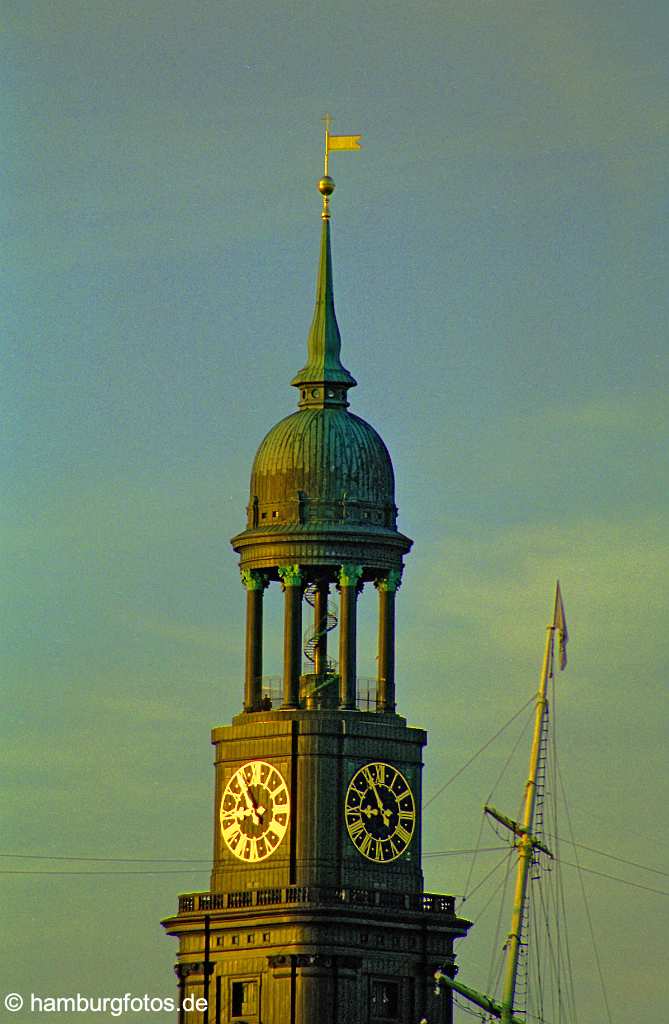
(380, 812)
(255, 811)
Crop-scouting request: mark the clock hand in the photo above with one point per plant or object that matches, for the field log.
(253, 810)
(257, 810)
(383, 810)
(247, 812)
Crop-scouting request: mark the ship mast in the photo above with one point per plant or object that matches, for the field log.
(525, 841)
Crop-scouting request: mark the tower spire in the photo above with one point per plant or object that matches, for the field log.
(324, 381)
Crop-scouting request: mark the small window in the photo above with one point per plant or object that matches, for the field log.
(250, 939)
(265, 936)
(275, 515)
(385, 1000)
(263, 515)
(235, 940)
(244, 999)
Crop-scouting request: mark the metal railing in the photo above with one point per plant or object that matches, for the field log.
(272, 692)
(422, 902)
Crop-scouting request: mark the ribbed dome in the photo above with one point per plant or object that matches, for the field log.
(322, 465)
(322, 483)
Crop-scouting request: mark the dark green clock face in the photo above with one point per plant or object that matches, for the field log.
(380, 812)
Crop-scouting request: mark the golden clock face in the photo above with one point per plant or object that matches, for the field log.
(380, 812)
(255, 809)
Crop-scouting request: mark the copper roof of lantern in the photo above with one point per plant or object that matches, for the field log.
(322, 484)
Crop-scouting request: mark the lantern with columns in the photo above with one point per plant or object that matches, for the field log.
(321, 515)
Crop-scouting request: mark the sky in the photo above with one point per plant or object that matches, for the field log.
(500, 267)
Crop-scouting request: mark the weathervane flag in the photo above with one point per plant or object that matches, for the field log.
(560, 623)
(337, 142)
(343, 142)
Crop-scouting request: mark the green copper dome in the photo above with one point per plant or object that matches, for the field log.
(322, 485)
(323, 465)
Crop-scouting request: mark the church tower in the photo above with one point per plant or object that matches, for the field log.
(316, 912)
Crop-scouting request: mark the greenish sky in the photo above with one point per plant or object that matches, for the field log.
(500, 260)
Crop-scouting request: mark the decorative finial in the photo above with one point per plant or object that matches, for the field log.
(326, 185)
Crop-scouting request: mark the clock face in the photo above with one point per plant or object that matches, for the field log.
(255, 809)
(380, 812)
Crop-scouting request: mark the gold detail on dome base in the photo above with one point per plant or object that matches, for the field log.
(350, 575)
(390, 583)
(290, 575)
(253, 580)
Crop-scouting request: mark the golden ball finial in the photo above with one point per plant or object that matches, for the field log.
(326, 186)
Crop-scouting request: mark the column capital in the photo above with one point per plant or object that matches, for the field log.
(391, 582)
(184, 971)
(253, 580)
(290, 575)
(350, 574)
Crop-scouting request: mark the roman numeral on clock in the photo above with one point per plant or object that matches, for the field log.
(355, 828)
(402, 834)
(365, 845)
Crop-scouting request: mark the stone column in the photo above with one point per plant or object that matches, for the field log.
(291, 579)
(349, 585)
(189, 986)
(321, 627)
(385, 685)
(179, 970)
(255, 583)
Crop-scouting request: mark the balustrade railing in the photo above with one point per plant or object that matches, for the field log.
(271, 688)
(425, 902)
